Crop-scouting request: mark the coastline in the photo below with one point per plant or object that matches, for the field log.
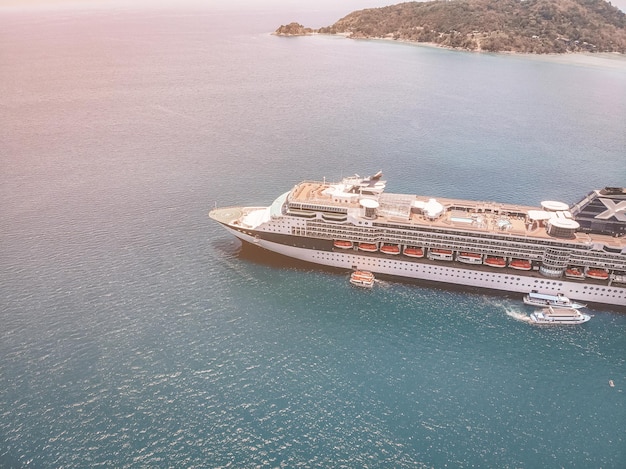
(575, 58)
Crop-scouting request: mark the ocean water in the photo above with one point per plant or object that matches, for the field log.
(135, 332)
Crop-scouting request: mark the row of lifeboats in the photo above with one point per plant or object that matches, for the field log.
(393, 249)
(476, 258)
(437, 254)
(580, 273)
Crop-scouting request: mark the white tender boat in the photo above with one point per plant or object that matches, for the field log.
(556, 316)
(559, 300)
(469, 258)
(440, 254)
(362, 278)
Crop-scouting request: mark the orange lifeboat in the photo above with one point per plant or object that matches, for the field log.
(597, 274)
(574, 273)
(390, 249)
(411, 251)
(368, 247)
(341, 244)
(495, 261)
(520, 264)
(471, 255)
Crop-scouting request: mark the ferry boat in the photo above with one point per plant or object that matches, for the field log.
(558, 300)
(304, 223)
(362, 278)
(553, 316)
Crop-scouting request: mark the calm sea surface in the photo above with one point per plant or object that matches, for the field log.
(134, 332)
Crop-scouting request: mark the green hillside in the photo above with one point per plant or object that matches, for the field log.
(529, 26)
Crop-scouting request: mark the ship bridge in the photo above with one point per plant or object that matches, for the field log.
(335, 197)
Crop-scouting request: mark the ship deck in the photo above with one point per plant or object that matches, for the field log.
(464, 215)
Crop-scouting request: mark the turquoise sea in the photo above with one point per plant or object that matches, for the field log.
(135, 332)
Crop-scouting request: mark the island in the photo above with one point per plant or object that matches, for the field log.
(522, 26)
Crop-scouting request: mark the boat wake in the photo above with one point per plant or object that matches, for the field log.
(518, 316)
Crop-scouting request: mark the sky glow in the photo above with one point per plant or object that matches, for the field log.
(343, 7)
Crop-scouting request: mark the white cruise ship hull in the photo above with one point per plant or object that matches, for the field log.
(443, 272)
(353, 224)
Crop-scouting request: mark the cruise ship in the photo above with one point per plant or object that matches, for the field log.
(578, 250)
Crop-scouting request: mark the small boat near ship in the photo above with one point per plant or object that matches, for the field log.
(558, 300)
(362, 278)
(553, 316)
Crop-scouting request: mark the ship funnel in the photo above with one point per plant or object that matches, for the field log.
(370, 206)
